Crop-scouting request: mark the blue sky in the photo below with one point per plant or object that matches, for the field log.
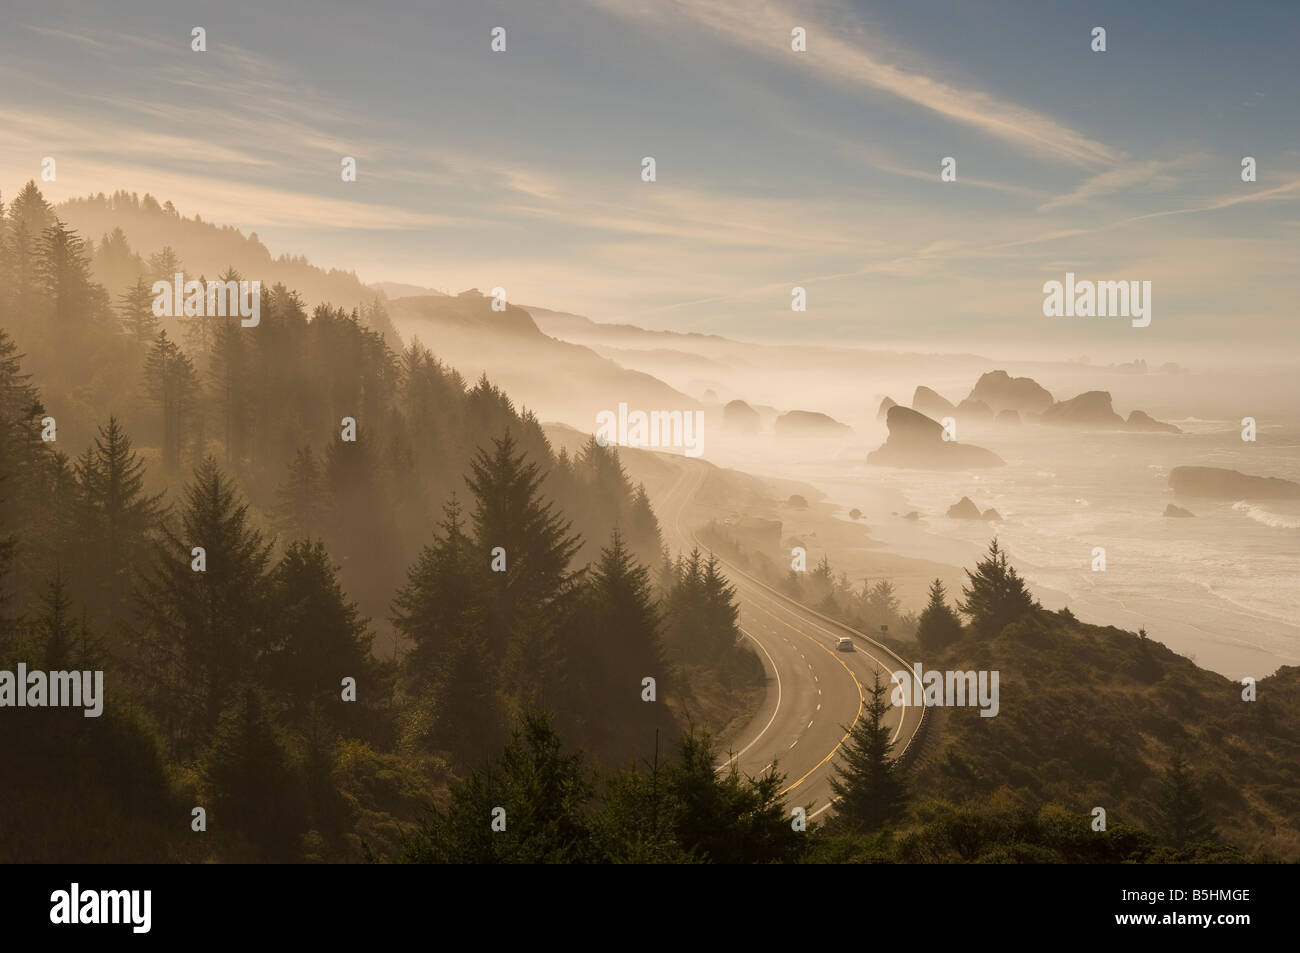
(775, 168)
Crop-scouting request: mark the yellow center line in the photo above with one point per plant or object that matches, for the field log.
(852, 675)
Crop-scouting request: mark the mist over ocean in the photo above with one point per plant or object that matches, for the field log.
(1222, 587)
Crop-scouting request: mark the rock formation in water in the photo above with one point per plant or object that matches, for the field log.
(964, 509)
(739, 417)
(1089, 410)
(930, 403)
(917, 441)
(807, 423)
(1000, 391)
(1220, 484)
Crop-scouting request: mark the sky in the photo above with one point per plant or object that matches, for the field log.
(774, 168)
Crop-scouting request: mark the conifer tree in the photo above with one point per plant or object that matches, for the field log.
(1180, 812)
(250, 783)
(939, 625)
(997, 595)
(524, 604)
(870, 788)
(171, 384)
(726, 818)
(29, 216)
(163, 265)
(721, 612)
(65, 277)
(644, 538)
(115, 521)
(231, 385)
(135, 310)
(318, 638)
(618, 646)
(204, 627)
(544, 793)
(441, 597)
(55, 630)
(302, 500)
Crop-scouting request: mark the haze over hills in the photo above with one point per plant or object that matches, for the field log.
(205, 248)
(379, 494)
(396, 289)
(540, 372)
(539, 354)
(639, 443)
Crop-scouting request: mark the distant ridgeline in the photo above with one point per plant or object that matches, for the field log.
(320, 577)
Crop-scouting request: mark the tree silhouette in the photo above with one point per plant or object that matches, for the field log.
(870, 788)
(996, 596)
(204, 629)
(938, 626)
(1180, 813)
(171, 383)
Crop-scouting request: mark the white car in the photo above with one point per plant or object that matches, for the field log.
(845, 645)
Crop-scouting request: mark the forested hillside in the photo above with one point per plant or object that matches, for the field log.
(133, 234)
(247, 528)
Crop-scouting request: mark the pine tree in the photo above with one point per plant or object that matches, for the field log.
(115, 522)
(882, 603)
(231, 383)
(441, 597)
(617, 645)
(939, 625)
(204, 628)
(35, 502)
(997, 595)
(720, 611)
(644, 538)
(302, 499)
(250, 783)
(65, 277)
(464, 694)
(525, 603)
(29, 216)
(1180, 813)
(544, 793)
(135, 309)
(448, 668)
(319, 637)
(686, 627)
(725, 818)
(870, 788)
(30, 211)
(163, 265)
(55, 631)
(171, 384)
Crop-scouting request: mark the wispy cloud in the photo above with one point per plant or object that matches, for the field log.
(764, 27)
(1153, 176)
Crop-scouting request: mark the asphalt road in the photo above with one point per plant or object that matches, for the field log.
(815, 693)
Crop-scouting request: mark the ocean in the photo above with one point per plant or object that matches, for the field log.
(1222, 588)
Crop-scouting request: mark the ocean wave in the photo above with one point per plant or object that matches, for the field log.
(1261, 515)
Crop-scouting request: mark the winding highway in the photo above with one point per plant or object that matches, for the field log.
(814, 692)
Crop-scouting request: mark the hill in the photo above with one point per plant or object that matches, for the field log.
(538, 371)
(127, 230)
(1092, 715)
